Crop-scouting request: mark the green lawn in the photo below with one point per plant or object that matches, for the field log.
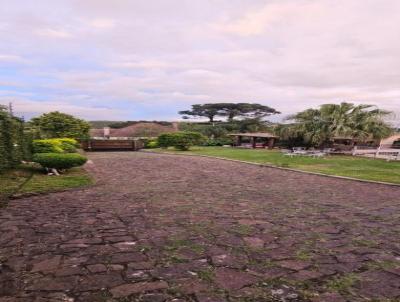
(29, 179)
(356, 167)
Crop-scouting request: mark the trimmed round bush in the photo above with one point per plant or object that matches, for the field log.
(68, 148)
(55, 145)
(66, 140)
(59, 161)
(46, 146)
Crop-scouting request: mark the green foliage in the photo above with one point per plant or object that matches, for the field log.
(70, 141)
(56, 124)
(14, 141)
(180, 140)
(245, 110)
(151, 144)
(118, 125)
(55, 145)
(218, 142)
(229, 110)
(68, 148)
(221, 129)
(69, 145)
(209, 130)
(59, 161)
(342, 284)
(318, 126)
(201, 110)
(47, 146)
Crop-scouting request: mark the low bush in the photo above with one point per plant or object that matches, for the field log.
(68, 148)
(218, 142)
(151, 144)
(70, 141)
(59, 161)
(180, 140)
(47, 146)
(55, 145)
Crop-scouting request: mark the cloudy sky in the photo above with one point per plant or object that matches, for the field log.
(134, 59)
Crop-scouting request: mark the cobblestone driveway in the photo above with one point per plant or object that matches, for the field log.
(176, 228)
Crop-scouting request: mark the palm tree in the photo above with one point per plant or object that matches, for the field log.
(362, 122)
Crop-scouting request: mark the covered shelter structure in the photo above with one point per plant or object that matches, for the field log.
(254, 140)
(391, 142)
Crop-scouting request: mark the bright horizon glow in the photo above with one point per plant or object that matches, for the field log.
(136, 60)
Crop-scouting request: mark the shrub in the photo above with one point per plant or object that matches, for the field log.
(59, 161)
(66, 140)
(13, 141)
(165, 140)
(218, 142)
(180, 140)
(54, 145)
(151, 144)
(68, 148)
(46, 146)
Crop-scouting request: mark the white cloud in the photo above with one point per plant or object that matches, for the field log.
(27, 107)
(53, 33)
(169, 54)
(274, 14)
(102, 23)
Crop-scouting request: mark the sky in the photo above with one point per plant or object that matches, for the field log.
(134, 59)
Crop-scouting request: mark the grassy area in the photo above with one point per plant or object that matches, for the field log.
(350, 166)
(29, 179)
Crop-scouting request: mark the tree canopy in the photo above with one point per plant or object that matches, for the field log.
(317, 126)
(201, 110)
(56, 124)
(229, 110)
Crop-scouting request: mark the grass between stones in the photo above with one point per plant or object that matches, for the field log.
(28, 179)
(342, 284)
(348, 166)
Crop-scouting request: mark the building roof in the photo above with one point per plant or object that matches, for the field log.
(255, 134)
(136, 130)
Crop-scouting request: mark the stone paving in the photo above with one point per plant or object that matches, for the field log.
(177, 228)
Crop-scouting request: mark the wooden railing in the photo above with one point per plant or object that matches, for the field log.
(114, 144)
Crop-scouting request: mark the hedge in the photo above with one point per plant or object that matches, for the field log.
(14, 141)
(55, 145)
(59, 161)
(180, 140)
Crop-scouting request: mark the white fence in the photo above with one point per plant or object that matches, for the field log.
(383, 151)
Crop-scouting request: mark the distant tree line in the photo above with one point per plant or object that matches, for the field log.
(312, 127)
